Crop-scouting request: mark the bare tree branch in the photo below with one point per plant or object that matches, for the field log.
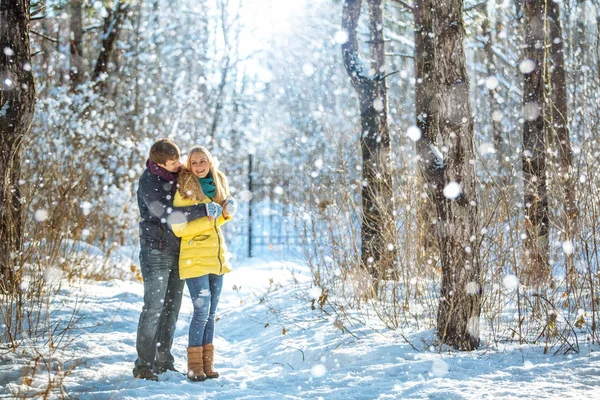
(354, 65)
(44, 36)
(91, 28)
(382, 78)
(474, 6)
(400, 55)
(403, 4)
(112, 25)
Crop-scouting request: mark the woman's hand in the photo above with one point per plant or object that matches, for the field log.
(229, 207)
(213, 210)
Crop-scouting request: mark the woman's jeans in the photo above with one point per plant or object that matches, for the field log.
(163, 291)
(204, 291)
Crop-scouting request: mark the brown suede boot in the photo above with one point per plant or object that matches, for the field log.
(195, 364)
(209, 361)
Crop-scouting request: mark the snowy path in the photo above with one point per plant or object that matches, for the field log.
(312, 360)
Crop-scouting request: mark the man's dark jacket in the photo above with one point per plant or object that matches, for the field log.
(155, 200)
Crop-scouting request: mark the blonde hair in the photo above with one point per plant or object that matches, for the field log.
(191, 186)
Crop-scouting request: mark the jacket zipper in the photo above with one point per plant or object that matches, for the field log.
(219, 251)
(219, 248)
(160, 241)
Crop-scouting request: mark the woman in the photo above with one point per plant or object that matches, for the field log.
(203, 258)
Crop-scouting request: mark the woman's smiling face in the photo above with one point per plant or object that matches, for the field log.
(199, 164)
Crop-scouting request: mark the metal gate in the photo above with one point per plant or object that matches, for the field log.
(267, 219)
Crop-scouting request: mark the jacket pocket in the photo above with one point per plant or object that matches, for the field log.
(197, 239)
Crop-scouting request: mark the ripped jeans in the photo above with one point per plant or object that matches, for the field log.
(204, 291)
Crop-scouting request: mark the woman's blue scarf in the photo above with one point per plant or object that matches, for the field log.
(208, 186)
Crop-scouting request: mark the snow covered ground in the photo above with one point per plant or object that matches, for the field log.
(270, 344)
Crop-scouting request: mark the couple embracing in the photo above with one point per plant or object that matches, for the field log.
(181, 243)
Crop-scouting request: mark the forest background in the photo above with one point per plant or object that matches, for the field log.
(433, 162)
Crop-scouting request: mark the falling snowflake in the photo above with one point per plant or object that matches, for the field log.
(315, 292)
(452, 190)
(308, 69)
(492, 82)
(40, 215)
(318, 371)
(245, 195)
(527, 66)
(472, 288)
(86, 207)
(486, 148)
(341, 37)
(510, 282)
(567, 247)
(439, 368)
(413, 133)
(531, 111)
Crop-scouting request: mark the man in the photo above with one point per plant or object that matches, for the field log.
(159, 258)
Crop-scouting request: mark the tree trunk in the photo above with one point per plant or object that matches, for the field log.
(424, 95)
(227, 26)
(219, 100)
(17, 104)
(77, 61)
(112, 25)
(378, 230)
(453, 181)
(536, 260)
(500, 144)
(560, 126)
(579, 44)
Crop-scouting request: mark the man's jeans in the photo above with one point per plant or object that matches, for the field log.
(204, 291)
(162, 300)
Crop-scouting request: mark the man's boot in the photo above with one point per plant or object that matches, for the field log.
(147, 375)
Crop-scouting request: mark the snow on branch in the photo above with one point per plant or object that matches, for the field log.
(355, 67)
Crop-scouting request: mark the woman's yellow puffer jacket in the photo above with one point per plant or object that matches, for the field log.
(203, 249)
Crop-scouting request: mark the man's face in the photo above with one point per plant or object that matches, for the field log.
(172, 165)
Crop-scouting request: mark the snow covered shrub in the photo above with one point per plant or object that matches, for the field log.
(80, 173)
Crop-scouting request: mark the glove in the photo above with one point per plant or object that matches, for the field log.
(213, 210)
(230, 206)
